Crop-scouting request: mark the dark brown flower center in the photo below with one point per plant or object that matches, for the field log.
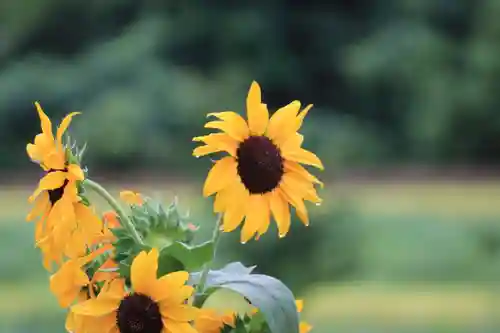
(138, 313)
(56, 194)
(260, 165)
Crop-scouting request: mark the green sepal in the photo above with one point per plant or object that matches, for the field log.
(84, 200)
(74, 154)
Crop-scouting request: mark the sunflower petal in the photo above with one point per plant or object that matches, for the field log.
(256, 215)
(312, 196)
(218, 142)
(257, 113)
(143, 271)
(45, 122)
(42, 205)
(233, 124)
(300, 305)
(56, 160)
(95, 307)
(172, 326)
(236, 210)
(282, 123)
(303, 156)
(301, 116)
(75, 172)
(300, 171)
(293, 143)
(180, 312)
(64, 125)
(222, 173)
(281, 212)
(304, 327)
(175, 279)
(295, 198)
(50, 181)
(205, 150)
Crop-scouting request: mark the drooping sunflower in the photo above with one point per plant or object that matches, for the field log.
(154, 305)
(263, 172)
(65, 224)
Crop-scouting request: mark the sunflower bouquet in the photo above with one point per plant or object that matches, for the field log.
(136, 267)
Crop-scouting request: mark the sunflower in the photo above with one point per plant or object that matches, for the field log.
(210, 321)
(263, 172)
(65, 225)
(154, 305)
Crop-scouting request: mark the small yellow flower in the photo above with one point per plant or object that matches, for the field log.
(210, 321)
(154, 305)
(263, 172)
(131, 197)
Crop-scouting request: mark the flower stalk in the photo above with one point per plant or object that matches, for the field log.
(206, 268)
(125, 220)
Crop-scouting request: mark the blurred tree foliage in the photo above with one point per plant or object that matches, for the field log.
(392, 81)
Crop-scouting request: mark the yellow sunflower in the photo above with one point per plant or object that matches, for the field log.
(210, 321)
(155, 305)
(65, 225)
(263, 172)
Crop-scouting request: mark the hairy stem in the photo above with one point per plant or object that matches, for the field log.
(200, 288)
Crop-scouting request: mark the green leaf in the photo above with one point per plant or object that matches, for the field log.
(274, 300)
(192, 257)
(168, 264)
(234, 268)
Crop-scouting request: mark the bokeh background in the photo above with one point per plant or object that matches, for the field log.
(406, 120)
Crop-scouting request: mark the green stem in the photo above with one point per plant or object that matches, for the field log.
(200, 288)
(124, 219)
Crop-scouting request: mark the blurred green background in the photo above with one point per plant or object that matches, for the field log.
(406, 120)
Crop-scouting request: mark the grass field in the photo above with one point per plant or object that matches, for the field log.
(370, 304)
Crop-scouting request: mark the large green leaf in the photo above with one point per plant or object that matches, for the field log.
(273, 298)
(191, 257)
